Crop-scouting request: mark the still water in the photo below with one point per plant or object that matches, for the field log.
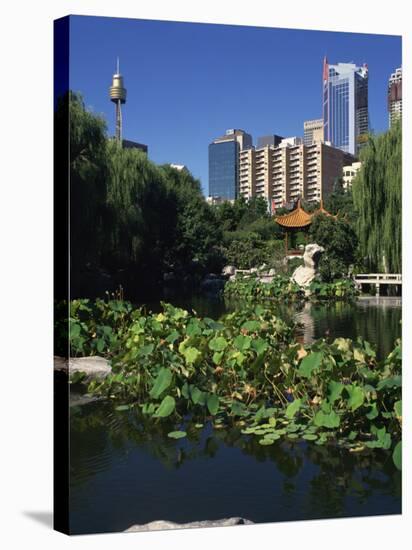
(123, 472)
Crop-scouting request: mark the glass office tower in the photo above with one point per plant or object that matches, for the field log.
(224, 163)
(345, 105)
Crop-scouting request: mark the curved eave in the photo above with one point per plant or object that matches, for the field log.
(295, 220)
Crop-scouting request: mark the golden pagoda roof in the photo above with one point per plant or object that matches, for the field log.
(296, 218)
(301, 218)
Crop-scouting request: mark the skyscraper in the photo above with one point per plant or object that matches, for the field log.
(313, 131)
(395, 96)
(345, 105)
(224, 162)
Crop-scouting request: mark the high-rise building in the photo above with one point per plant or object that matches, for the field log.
(313, 131)
(224, 163)
(268, 140)
(395, 96)
(345, 105)
(291, 170)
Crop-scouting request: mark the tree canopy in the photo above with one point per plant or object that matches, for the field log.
(377, 196)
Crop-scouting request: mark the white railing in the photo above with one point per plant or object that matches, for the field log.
(379, 278)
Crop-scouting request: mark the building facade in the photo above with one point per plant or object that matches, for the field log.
(348, 174)
(224, 163)
(268, 140)
(395, 96)
(289, 171)
(128, 144)
(345, 106)
(313, 131)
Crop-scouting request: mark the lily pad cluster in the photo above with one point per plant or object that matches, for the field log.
(246, 370)
(250, 287)
(283, 289)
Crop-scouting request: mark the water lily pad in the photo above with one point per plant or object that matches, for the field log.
(310, 437)
(166, 407)
(162, 382)
(177, 434)
(266, 441)
(122, 408)
(218, 343)
(293, 408)
(397, 455)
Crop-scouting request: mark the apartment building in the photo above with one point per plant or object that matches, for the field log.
(291, 170)
(395, 96)
(348, 174)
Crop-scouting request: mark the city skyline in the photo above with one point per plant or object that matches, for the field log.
(201, 79)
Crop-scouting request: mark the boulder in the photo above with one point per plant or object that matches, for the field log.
(160, 525)
(272, 272)
(229, 270)
(304, 274)
(95, 368)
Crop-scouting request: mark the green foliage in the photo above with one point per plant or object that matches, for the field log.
(249, 251)
(340, 243)
(283, 289)
(338, 391)
(88, 179)
(342, 289)
(128, 214)
(251, 288)
(377, 196)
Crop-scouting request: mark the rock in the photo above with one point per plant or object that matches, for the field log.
(95, 368)
(304, 274)
(229, 270)
(253, 270)
(160, 525)
(232, 278)
(272, 272)
(78, 400)
(266, 279)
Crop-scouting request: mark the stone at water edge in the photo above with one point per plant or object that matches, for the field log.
(94, 367)
(160, 525)
(304, 274)
(229, 270)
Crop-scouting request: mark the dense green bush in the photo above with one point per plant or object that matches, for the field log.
(340, 243)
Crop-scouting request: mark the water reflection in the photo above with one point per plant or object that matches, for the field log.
(125, 472)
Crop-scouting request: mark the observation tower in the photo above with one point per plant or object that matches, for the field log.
(117, 94)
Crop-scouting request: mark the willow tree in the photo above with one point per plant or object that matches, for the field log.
(141, 221)
(377, 196)
(88, 174)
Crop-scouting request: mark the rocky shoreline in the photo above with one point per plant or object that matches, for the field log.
(161, 525)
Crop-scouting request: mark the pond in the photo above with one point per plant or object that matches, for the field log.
(124, 472)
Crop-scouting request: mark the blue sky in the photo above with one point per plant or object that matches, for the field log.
(189, 82)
